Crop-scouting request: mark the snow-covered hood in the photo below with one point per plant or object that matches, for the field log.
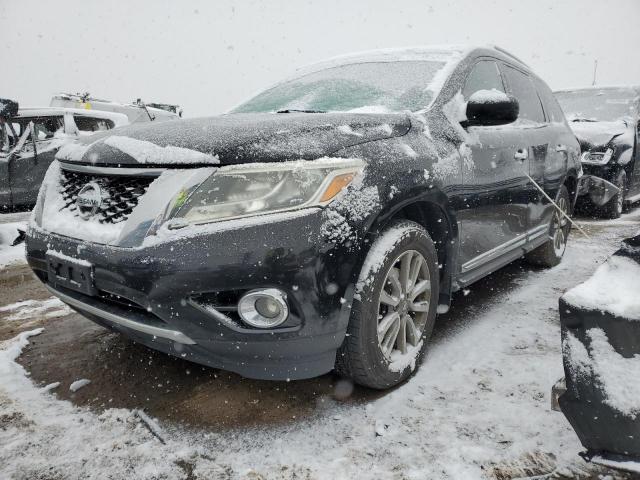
(591, 134)
(235, 138)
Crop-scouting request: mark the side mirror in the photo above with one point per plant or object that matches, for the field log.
(491, 107)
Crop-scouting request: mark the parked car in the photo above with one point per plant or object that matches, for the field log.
(606, 122)
(599, 395)
(320, 224)
(29, 140)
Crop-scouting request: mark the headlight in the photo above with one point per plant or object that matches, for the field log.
(597, 158)
(254, 189)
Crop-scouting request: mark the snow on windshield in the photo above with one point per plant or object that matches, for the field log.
(378, 87)
(598, 105)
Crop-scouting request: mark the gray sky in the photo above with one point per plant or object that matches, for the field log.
(210, 55)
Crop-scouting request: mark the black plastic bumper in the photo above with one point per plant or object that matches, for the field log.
(162, 285)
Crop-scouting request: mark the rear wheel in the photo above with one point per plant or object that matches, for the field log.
(550, 254)
(615, 206)
(392, 320)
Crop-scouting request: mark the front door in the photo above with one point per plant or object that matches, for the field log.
(493, 220)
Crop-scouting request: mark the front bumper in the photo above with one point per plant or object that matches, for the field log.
(596, 189)
(160, 295)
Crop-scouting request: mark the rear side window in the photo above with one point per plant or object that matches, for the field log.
(551, 105)
(484, 75)
(92, 124)
(525, 92)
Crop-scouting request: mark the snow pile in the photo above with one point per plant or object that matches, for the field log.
(8, 233)
(613, 288)
(147, 152)
(78, 384)
(49, 308)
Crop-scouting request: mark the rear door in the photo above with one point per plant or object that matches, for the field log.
(493, 221)
(563, 147)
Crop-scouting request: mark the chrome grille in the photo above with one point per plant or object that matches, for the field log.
(121, 193)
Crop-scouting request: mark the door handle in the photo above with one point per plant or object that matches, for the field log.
(561, 148)
(521, 154)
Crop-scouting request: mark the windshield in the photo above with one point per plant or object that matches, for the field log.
(365, 87)
(598, 105)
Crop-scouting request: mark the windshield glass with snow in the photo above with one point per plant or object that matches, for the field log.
(604, 105)
(365, 87)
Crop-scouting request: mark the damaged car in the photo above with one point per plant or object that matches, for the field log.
(606, 122)
(29, 141)
(600, 394)
(321, 224)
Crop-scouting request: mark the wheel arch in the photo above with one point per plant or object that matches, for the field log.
(431, 212)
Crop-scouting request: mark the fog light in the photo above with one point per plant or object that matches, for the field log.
(263, 308)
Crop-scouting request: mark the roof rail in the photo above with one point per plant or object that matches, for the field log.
(510, 55)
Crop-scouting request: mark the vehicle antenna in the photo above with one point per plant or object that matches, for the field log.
(595, 70)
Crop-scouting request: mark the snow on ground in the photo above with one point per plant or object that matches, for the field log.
(49, 308)
(479, 402)
(9, 224)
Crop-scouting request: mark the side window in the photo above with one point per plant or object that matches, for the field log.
(551, 106)
(46, 127)
(525, 92)
(92, 124)
(484, 75)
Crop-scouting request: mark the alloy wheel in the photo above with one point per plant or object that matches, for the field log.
(403, 304)
(559, 228)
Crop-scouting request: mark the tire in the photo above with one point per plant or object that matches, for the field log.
(550, 254)
(615, 206)
(380, 362)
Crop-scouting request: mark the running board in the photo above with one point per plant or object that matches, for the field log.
(173, 335)
(633, 199)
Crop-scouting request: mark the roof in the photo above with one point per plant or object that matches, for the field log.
(599, 87)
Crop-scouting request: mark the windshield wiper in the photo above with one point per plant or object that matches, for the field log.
(583, 120)
(293, 110)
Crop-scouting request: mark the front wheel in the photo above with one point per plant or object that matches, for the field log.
(551, 252)
(615, 206)
(394, 308)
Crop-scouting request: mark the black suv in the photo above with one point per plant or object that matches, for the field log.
(321, 224)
